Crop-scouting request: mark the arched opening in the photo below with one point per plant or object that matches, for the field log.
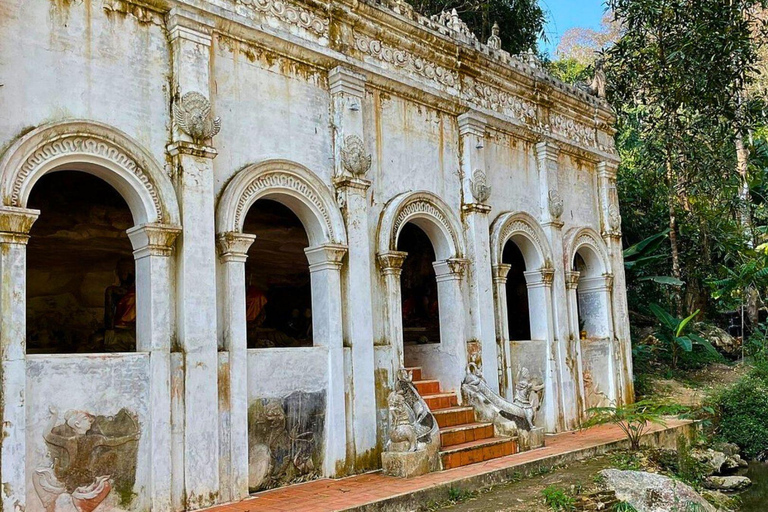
(421, 317)
(592, 296)
(277, 278)
(518, 309)
(81, 293)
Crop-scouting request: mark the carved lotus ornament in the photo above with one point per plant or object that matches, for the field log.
(480, 190)
(556, 207)
(192, 115)
(354, 159)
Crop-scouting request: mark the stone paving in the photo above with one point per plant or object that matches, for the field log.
(372, 490)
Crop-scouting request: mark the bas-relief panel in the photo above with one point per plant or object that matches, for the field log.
(272, 107)
(86, 420)
(595, 359)
(96, 65)
(578, 187)
(531, 355)
(286, 415)
(414, 148)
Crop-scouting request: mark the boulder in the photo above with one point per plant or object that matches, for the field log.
(721, 340)
(649, 492)
(727, 483)
(733, 463)
(721, 500)
(712, 459)
(730, 449)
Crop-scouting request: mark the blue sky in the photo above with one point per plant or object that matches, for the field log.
(564, 14)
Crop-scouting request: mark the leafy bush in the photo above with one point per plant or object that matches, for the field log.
(633, 419)
(741, 412)
(558, 500)
(678, 337)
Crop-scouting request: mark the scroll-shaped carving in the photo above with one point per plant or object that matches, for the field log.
(556, 206)
(192, 114)
(480, 189)
(512, 419)
(354, 159)
(494, 41)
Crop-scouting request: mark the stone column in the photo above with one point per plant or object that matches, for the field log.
(325, 274)
(15, 224)
(500, 273)
(611, 232)
(594, 296)
(564, 348)
(152, 250)
(352, 162)
(391, 266)
(574, 336)
(539, 284)
(449, 274)
(476, 193)
(233, 339)
(192, 158)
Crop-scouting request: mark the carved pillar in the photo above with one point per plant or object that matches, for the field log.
(500, 272)
(476, 193)
(152, 250)
(352, 163)
(564, 349)
(572, 301)
(233, 339)
(539, 284)
(325, 272)
(15, 224)
(594, 296)
(453, 351)
(391, 266)
(611, 232)
(192, 157)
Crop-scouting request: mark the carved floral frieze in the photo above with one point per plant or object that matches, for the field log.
(498, 100)
(289, 13)
(573, 130)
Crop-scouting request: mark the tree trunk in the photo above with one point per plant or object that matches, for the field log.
(671, 200)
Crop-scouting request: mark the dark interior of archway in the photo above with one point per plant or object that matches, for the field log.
(421, 320)
(580, 266)
(278, 294)
(80, 269)
(518, 315)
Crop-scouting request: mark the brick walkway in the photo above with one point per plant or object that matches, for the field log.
(329, 495)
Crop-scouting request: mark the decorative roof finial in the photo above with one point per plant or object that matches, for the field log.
(494, 42)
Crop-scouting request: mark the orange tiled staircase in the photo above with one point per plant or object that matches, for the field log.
(463, 440)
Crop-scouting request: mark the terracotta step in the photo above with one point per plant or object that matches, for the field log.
(478, 451)
(441, 400)
(453, 416)
(460, 434)
(427, 387)
(415, 372)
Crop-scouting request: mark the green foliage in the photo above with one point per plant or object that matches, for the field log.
(634, 419)
(457, 494)
(623, 507)
(521, 22)
(569, 71)
(558, 500)
(627, 461)
(676, 335)
(741, 412)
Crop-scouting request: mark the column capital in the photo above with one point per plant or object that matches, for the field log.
(596, 283)
(183, 147)
(500, 273)
(451, 269)
(325, 257)
(351, 184)
(342, 80)
(183, 24)
(572, 279)
(153, 239)
(15, 224)
(479, 208)
(607, 169)
(472, 122)
(547, 150)
(541, 277)
(391, 262)
(233, 246)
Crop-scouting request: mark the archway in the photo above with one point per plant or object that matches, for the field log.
(422, 223)
(284, 217)
(518, 306)
(81, 275)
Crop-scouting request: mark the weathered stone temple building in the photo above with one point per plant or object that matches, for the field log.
(227, 225)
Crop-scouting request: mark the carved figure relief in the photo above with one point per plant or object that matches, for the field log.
(494, 41)
(285, 439)
(528, 395)
(192, 115)
(614, 218)
(555, 204)
(593, 397)
(402, 432)
(354, 159)
(480, 190)
(90, 457)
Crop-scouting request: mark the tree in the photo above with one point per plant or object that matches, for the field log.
(583, 45)
(521, 21)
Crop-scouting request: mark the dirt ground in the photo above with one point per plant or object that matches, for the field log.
(525, 495)
(692, 391)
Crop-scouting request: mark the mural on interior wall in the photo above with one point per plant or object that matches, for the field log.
(90, 458)
(285, 437)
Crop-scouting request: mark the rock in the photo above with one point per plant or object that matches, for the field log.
(712, 459)
(733, 463)
(721, 500)
(721, 340)
(729, 449)
(649, 492)
(727, 483)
